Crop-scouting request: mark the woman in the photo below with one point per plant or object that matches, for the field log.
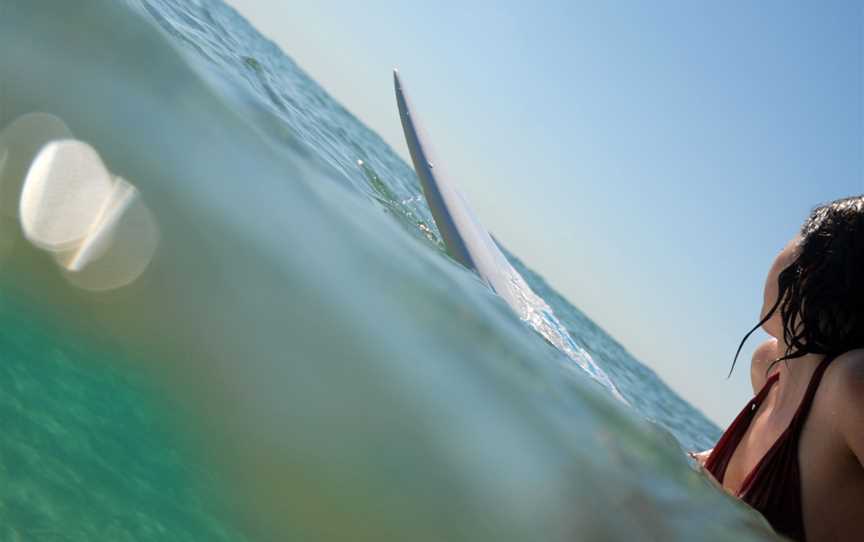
(796, 451)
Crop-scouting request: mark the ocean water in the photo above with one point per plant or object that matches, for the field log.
(275, 346)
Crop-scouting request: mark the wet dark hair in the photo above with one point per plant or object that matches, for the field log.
(821, 294)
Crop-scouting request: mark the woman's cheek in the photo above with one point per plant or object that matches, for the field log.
(772, 326)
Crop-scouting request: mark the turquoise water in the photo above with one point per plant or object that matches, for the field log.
(300, 360)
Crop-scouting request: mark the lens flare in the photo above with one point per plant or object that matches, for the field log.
(95, 225)
(119, 247)
(20, 142)
(63, 195)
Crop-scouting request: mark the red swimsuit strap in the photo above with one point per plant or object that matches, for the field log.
(773, 486)
(721, 455)
(793, 431)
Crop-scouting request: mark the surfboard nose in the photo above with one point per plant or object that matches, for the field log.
(397, 83)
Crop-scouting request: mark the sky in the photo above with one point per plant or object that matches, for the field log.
(649, 159)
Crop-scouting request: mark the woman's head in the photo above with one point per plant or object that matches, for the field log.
(770, 317)
(814, 293)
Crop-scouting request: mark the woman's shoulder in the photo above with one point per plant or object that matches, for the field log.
(845, 376)
(844, 383)
(763, 356)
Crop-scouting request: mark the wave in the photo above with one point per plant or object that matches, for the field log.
(298, 353)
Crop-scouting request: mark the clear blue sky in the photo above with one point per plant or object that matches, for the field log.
(648, 158)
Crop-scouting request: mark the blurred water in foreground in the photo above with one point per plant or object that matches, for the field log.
(217, 325)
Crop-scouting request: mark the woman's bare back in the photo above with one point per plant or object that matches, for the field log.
(830, 446)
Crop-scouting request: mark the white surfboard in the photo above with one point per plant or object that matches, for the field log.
(468, 242)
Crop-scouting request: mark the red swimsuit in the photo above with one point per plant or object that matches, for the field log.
(774, 485)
